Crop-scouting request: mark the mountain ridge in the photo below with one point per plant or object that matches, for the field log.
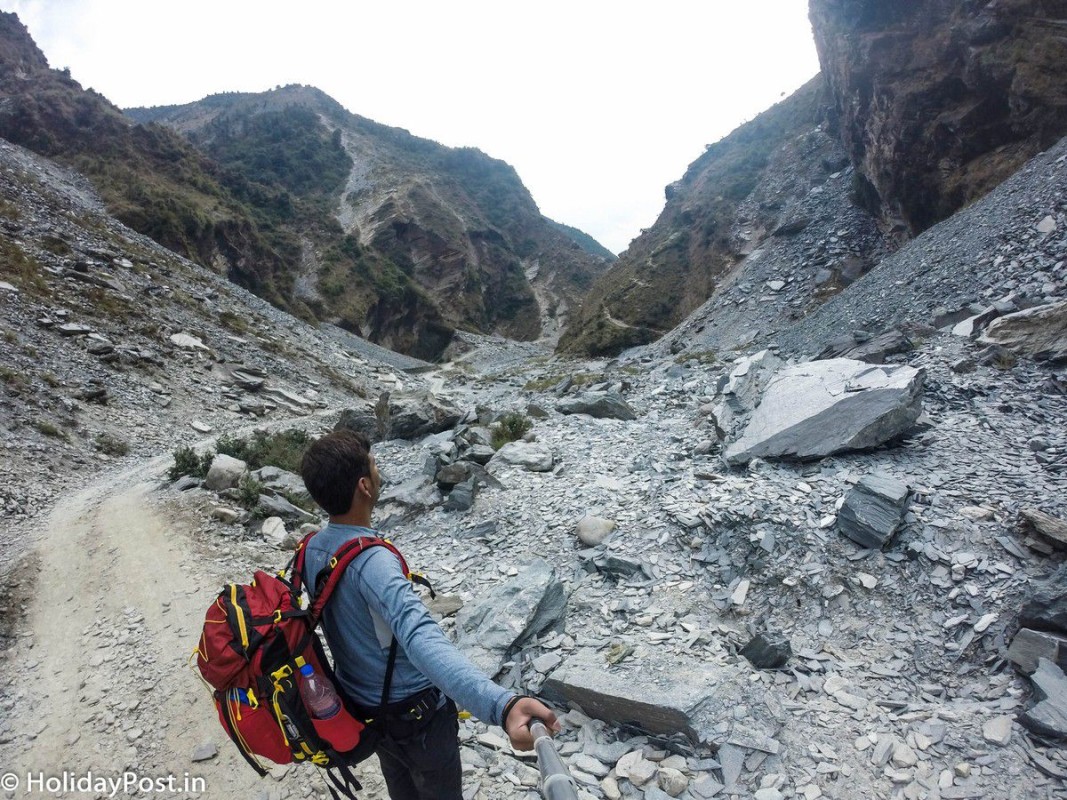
(405, 284)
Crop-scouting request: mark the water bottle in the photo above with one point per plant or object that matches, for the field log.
(318, 695)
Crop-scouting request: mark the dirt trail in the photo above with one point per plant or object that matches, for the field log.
(105, 683)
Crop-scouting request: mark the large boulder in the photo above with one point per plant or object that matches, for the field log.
(1040, 333)
(225, 472)
(1049, 716)
(602, 405)
(510, 615)
(820, 408)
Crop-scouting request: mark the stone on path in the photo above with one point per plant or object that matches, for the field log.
(998, 730)
(873, 510)
(274, 533)
(824, 407)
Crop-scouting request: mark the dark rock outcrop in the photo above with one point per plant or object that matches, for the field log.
(938, 101)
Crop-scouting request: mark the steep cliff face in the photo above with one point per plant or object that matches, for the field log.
(938, 101)
(414, 238)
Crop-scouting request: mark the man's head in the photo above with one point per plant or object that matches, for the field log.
(340, 473)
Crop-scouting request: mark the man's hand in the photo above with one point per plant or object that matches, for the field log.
(517, 725)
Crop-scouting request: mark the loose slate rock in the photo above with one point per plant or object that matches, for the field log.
(824, 407)
(1040, 332)
(511, 614)
(602, 405)
(1049, 716)
(1030, 646)
(873, 510)
(863, 347)
(767, 651)
(1046, 610)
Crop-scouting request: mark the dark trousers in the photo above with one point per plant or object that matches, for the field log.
(420, 758)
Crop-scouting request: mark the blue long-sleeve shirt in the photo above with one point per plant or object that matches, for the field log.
(374, 602)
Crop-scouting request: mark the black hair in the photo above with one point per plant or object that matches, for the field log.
(332, 468)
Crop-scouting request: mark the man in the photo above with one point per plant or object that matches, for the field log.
(375, 611)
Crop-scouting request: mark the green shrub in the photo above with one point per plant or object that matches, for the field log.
(510, 428)
(187, 462)
(248, 491)
(49, 429)
(284, 450)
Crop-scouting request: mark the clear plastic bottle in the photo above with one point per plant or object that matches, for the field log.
(319, 696)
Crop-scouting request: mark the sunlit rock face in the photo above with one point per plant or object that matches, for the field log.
(938, 101)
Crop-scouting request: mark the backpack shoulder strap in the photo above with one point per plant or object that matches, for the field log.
(295, 568)
(330, 575)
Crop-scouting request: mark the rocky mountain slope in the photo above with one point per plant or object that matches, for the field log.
(749, 189)
(920, 109)
(325, 214)
(114, 345)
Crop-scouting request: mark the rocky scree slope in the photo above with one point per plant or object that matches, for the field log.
(898, 684)
(115, 347)
(781, 175)
(420, 238)
(1006, 252)
(614, 559)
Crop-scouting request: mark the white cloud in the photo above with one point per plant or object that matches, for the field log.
(598, 105)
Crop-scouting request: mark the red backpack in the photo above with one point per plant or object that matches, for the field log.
(256, 640)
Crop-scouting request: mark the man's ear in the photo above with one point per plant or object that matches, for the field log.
(363, 485)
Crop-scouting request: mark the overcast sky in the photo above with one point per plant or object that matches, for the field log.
(598, 104)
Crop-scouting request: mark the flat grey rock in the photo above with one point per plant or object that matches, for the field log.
(602, 405)
(820, 408)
